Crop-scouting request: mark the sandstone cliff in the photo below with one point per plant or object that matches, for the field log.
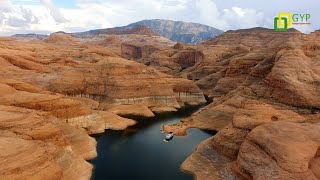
(264, 87)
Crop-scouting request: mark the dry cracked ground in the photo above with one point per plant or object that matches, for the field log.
(264, 89)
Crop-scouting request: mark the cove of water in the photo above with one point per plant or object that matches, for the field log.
(139, 152)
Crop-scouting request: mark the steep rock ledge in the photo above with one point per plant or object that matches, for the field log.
(35, 144)
(29, 159)
(282, 150)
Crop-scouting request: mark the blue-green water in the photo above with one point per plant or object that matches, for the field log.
(139, 152)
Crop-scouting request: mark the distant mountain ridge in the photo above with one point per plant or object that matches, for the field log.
(138, 29)
(30, 36)
(179, 31)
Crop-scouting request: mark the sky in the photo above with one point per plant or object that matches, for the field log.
(47, 16)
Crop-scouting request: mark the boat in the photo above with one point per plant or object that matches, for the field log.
(168, 137)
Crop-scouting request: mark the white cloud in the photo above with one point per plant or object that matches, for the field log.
(209, 14)
(55, 12)
(239, 11)
(304, 28)
(232, 18)
(43, 16)
(238, 18)
(14, 18)
(24, 18)
(5, 6)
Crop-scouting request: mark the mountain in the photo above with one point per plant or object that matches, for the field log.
(30, 36)
(138, 29)
(180, 31)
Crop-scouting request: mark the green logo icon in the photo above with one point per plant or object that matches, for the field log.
(279, 29)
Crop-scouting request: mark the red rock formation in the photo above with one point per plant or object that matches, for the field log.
(132, 111)
(173, 60)
(279, 74)
(25, 159)
(129, 51)
(53, 94)
(281, 150)
(61, 38)
(257, 86)
(26, 134)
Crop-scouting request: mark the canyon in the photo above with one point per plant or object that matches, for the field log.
(263, 87)
(57, 91)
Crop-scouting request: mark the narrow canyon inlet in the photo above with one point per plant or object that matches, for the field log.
(140, 153)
